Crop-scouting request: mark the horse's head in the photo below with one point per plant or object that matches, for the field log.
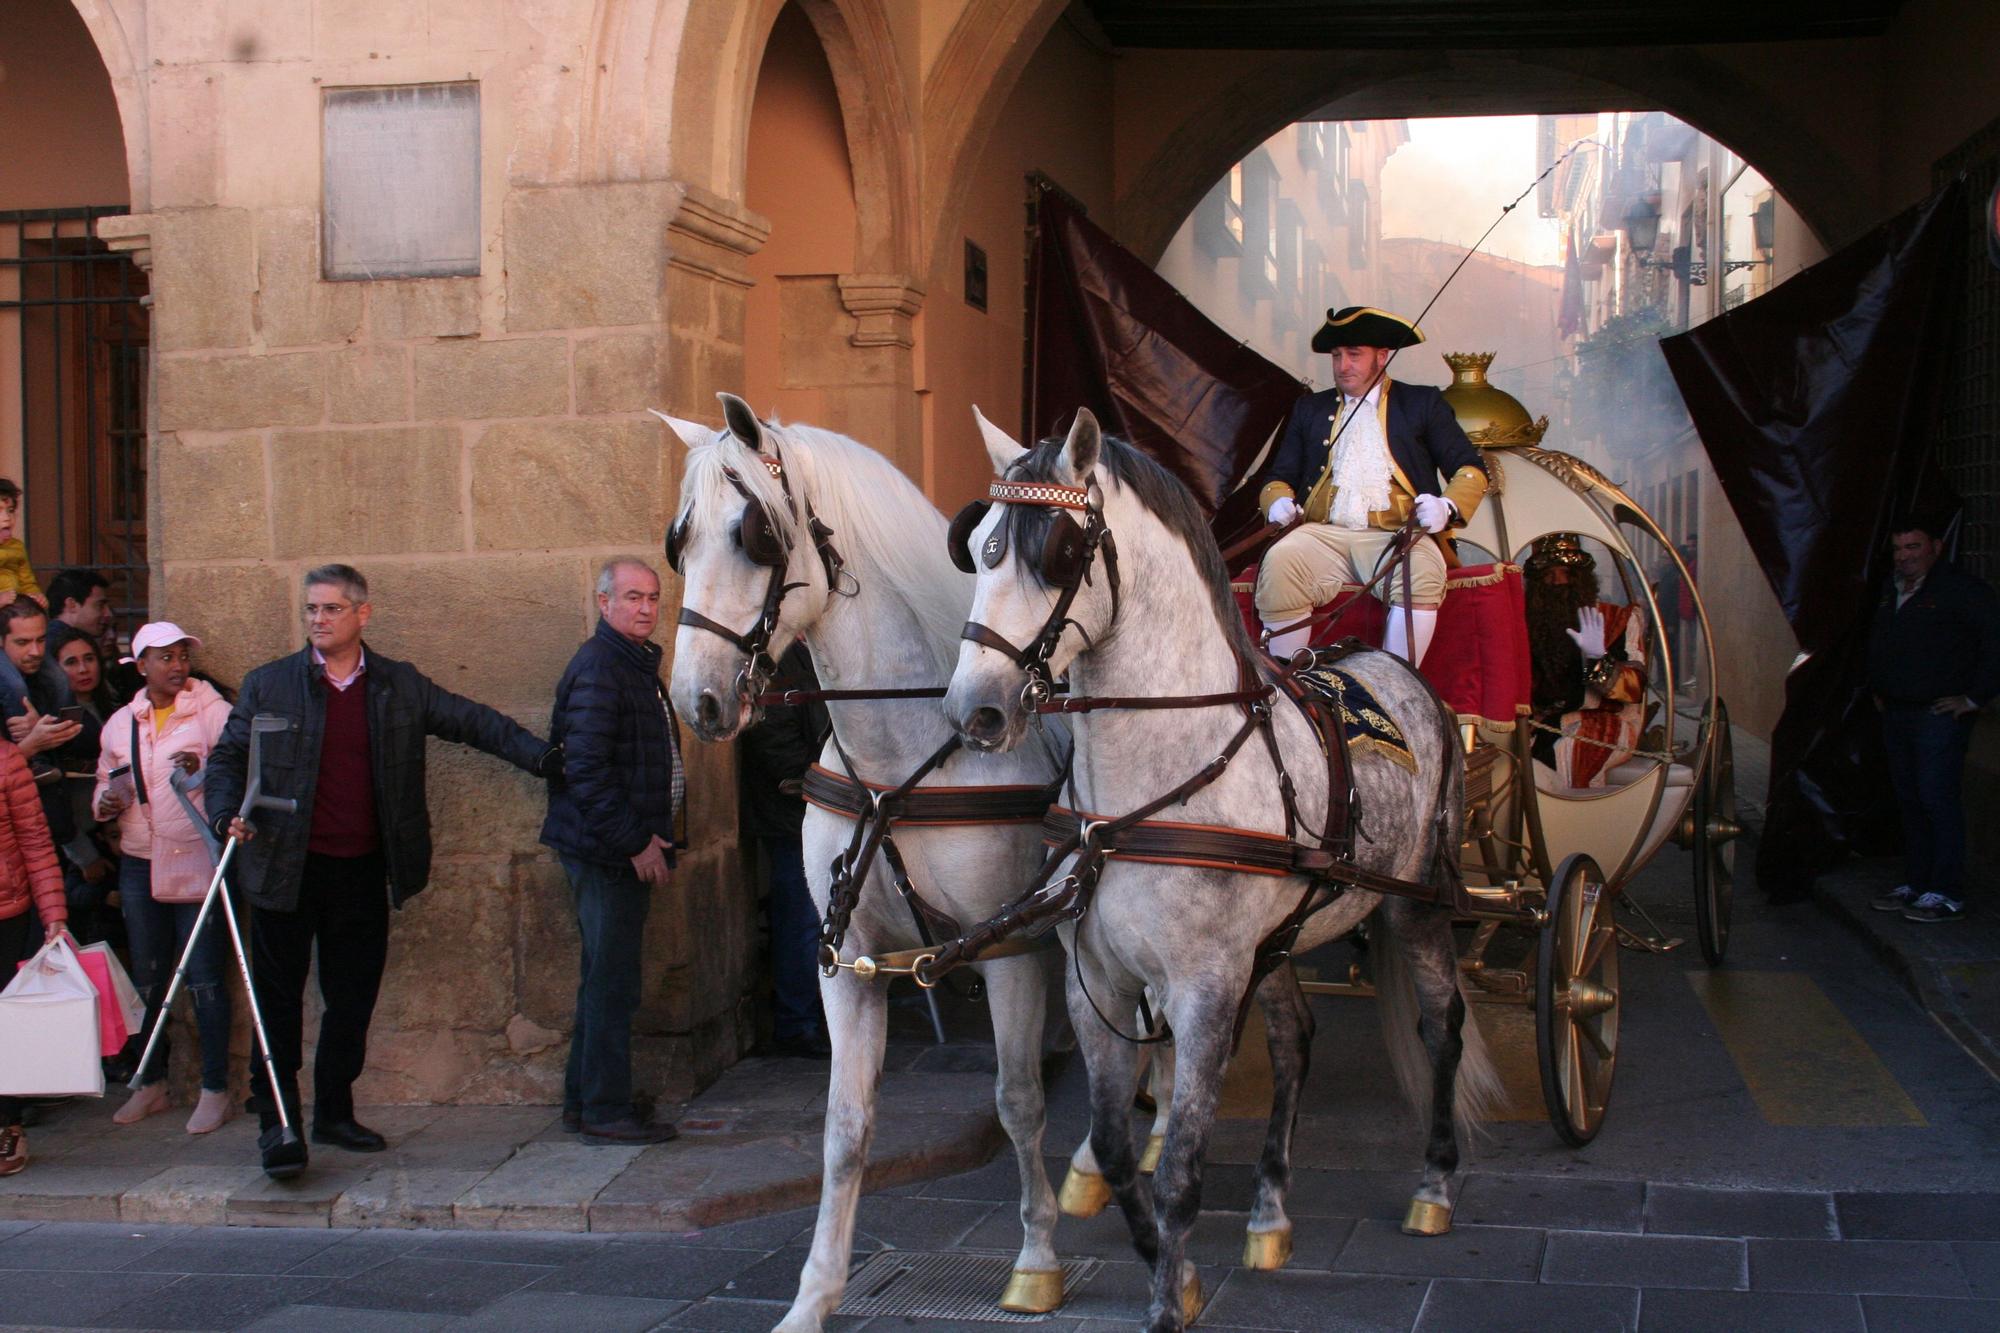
(753, 574)
(1047, 578)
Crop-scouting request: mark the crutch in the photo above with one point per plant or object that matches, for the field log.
(220, 852)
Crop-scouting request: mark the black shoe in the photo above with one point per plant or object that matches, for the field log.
(810, 1047)
(1932, 908)
(630, 1131)
(284, 1157)
(1895, 900)
(349, 1134)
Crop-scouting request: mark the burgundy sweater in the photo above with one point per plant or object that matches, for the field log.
(343, 817)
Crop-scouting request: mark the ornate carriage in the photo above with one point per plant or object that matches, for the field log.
(1539, 853)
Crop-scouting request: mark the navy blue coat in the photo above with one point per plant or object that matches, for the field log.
(619, 752)
(1424, 440)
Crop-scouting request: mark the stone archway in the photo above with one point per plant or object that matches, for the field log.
(1157, 194)
(123, 54)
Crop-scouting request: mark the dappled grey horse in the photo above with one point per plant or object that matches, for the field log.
(882, 613)
(1158, 619)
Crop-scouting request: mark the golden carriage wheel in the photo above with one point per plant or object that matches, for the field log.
(1576, 1000)
(1715, 834)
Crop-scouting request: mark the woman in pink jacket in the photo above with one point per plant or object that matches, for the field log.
(164, 866)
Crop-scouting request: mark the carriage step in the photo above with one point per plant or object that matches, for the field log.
(932, 1285)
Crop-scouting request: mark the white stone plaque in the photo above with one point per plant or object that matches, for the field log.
(401, 181)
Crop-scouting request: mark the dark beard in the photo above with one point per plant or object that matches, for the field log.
(1557, 663)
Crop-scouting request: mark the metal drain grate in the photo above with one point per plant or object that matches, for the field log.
(945, 1286)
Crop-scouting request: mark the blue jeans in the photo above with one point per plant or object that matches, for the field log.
(611, 905)
(156, 933)
(795, 1001)
(1926, 767)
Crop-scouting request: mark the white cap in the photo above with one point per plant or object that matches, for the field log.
(159, 634)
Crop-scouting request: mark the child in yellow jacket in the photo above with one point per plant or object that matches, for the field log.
(17, 576)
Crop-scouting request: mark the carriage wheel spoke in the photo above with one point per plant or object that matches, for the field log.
(1596, 1040)
(1594, 951)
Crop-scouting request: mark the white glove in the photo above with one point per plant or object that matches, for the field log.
(1435, 512)
(1588, 636)
(1283, 509)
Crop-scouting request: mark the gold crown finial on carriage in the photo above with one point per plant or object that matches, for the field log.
(1491, 417)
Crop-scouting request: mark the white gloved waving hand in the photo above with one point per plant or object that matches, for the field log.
(1434, 512)
(1589, 633)
(1283, 509)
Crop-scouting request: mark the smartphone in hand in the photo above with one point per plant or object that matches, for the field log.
(118, 784)
(71, 713)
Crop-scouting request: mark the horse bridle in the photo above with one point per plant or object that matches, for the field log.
(1068, 551)
(763, 544)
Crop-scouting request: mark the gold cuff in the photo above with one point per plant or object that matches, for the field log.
(1272, 492)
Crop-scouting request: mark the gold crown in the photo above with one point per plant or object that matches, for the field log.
(1463, 361)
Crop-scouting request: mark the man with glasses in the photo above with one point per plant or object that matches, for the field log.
(359, 843)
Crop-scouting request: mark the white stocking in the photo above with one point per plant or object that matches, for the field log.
(1422, 619)
(1284, 645)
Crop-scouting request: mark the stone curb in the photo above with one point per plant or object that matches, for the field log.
(721, 1170)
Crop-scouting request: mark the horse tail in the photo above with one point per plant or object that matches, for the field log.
(1478, 1092)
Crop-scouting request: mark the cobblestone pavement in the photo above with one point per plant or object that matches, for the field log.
(1793, 1142)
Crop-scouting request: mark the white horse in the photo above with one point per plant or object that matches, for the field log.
(892, 623)
(1164, 623)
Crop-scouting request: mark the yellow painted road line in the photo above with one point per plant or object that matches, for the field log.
(1803, 1062)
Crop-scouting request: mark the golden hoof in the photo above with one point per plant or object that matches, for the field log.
(1267, 1251)
(1084, 1194)
(1033, 1291)
(1149, 1160)
(1190, 1298)
(1426, 1218)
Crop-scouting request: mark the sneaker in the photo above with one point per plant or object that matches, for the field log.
(1934, 907)
(1895, 900)
(13, 1150)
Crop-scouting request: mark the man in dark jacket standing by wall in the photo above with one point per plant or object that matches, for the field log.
(1933, 662)
(360, 840)
(611, 820)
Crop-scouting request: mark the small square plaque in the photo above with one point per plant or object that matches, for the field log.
(400, 181)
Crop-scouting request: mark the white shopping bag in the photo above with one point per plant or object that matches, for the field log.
(129, 1003)
(48, 1028)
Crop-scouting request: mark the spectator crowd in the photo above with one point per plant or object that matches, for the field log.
(122, 781)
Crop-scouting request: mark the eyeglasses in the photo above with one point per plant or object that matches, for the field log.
(326, 610)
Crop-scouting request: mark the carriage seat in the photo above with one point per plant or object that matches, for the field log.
(1619, 775)
(1478, 659)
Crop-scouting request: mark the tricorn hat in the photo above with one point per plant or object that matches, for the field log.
(1365, 326)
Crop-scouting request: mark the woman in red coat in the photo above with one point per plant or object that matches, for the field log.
(29, 878)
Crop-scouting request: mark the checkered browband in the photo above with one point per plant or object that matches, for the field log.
(1039, 493)
(772, 466)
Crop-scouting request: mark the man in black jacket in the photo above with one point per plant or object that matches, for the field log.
(612, 821)
(778, 750)
(1933, 662)
(359, 842)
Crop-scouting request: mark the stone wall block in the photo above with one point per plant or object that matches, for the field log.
(483, 807)
(238, 392)
(569, 483)
(369, 384)
(499, 629)
(294, 304)
(423, 307)
(703, 931)
(619, 372)
(204, 272)
(517, 378)
(451, 955)
(213, 494)
(546, 929)
(391, 490)
(414, 1066)
(586, 256)
(242, 613)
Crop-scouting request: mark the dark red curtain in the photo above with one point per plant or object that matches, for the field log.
(1112, 335)
(1816, 403)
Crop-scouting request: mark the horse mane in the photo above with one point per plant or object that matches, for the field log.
(883, 526)
(1163, 495)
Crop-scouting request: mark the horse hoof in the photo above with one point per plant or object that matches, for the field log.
(1267, 1251)
(1084, 1194)
(1149, 1160)
(1033, 1291)
(1426, 1218)
(1190, 1298)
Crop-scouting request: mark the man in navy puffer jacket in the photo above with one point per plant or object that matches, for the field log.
(611, 819)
